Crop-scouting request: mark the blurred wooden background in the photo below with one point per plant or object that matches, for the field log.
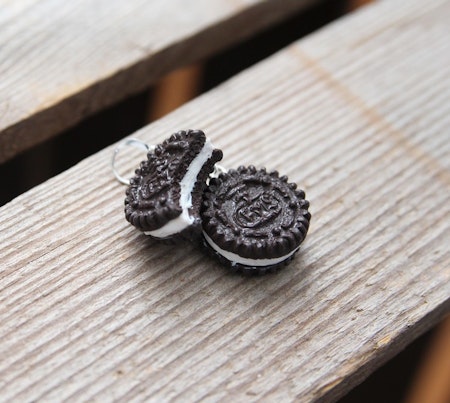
(93, 134)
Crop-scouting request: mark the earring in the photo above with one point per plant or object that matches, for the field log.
(253, 221)
(164, 197)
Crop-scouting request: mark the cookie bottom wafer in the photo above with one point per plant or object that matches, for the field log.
(237, 265)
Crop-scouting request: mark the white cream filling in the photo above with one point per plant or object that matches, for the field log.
(187, 184)
(236, 259)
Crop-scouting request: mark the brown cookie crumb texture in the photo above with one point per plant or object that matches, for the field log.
(255, 214)
(153, 197)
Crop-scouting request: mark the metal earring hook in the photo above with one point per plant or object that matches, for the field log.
(133, 142)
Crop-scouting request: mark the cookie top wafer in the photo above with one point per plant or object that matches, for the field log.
(254, 219)
(164, 196)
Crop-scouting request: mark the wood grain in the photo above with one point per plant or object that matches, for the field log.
(62, 61)
(91, 310)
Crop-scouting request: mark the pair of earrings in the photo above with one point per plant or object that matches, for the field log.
(253, 221)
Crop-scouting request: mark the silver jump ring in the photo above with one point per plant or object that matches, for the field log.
(136, 143)
(218, 169)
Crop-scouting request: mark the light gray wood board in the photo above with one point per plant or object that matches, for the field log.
(92, 310)
(60, 61)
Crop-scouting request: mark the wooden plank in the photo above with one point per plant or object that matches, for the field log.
(174, 90)
(354, 4)
(431, 381)
(93, 311)
(60, 62)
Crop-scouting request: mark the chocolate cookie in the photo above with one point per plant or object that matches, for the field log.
(254, 221)
(165, 195)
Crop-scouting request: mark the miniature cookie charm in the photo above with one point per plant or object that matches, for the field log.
(164, 197)
(254, 221)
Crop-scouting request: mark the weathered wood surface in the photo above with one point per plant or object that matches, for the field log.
(92, 310)
(63, 60)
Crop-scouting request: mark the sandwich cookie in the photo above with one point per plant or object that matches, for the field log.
(164, 197)
(253, 221)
